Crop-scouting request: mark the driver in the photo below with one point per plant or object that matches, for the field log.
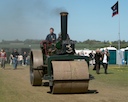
(52, 36)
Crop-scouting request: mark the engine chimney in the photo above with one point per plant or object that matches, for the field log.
(64, 22)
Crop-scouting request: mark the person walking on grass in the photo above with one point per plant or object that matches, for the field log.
(15, 55)
(20, 59)
(3, 58)
(105, 60)
(91, 57)
(11, 59)
(24, 58)
(98, 59)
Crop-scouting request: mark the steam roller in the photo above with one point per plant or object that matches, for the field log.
(58, 63)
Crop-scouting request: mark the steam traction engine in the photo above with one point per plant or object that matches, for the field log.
(58, 63)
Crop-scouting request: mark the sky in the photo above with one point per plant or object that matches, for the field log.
(87, 19)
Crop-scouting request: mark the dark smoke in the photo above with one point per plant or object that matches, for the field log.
(57, 11)
(40, 8)
(22, 16)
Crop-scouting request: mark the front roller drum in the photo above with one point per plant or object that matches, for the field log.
(70, 87)
(36, 71)
(70, 77)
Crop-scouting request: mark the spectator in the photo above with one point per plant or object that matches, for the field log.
(28, 59)
(11, 59)
(20, 59)
(24, 58)
(91, 56)
(105, 60)
(15, 55)
(3, 58)
(82, 53)
(98, 59)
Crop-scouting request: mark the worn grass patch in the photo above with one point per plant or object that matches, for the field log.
(15, 87)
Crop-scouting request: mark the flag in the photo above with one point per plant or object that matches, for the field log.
(115, 9)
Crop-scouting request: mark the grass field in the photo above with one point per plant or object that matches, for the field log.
(113, 87)
(117, 76)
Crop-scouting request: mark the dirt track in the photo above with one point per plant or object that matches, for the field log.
(15, 87)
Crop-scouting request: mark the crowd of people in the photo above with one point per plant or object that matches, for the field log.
(21, 59)
(14, 59)
(97, 59)
(101, 58)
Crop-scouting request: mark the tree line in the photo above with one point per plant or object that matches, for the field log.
(79, 44)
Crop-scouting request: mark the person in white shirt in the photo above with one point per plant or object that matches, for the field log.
(105, 60)
(20, 59)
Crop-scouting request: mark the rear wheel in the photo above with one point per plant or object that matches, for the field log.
(36, 71)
